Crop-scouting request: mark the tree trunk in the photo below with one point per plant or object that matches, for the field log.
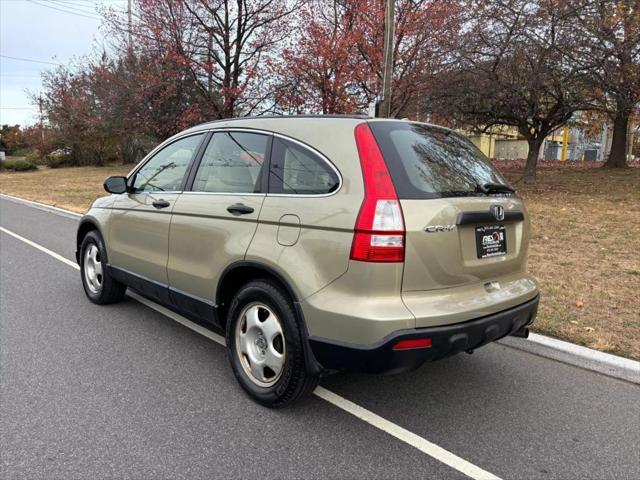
(532, 159)
(618, 156)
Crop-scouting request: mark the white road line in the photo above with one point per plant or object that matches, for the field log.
(41, 248)
(178, 318)
(402, 434)
(405, 435)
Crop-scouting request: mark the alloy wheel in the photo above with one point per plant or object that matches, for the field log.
(93, 268)
(260, 344)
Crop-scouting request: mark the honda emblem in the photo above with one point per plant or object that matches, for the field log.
(498, 212)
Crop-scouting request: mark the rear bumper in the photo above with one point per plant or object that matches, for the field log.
(446, 340)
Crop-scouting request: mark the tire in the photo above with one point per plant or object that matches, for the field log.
(99, 286)
(253, 314)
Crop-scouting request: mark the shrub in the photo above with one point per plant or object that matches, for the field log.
(18, 165)
(59, 159)
(33, 156)
(22, 152)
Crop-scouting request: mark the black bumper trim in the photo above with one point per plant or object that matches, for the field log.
(446, 340)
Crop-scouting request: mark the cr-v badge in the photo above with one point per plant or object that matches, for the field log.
(439, 228)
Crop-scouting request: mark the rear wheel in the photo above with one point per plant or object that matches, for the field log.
(98, 284)
(265, 345)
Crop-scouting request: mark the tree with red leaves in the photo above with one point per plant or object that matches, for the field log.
(118, 108)
(220, 44)
(334, 64)
(319, 71)
(73, 110)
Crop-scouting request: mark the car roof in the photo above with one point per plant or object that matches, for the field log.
(263, 121)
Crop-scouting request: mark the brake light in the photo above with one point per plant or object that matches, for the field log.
(413, 343)
(379, 230)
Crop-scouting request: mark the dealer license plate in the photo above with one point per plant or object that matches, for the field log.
(491, 241)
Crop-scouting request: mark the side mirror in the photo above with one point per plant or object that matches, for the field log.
(115, 185)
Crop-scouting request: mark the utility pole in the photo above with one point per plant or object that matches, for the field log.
(210, 64)
(387, 69)
(629, 149)
(130, 26)
(41, 124)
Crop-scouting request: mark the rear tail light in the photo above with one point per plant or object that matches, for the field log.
(379, 230)
(413, 343)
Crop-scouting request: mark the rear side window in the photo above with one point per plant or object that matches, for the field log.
(431, 162)
(299, 171)
(232, 163)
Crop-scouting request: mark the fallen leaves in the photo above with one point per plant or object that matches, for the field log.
(583, 251)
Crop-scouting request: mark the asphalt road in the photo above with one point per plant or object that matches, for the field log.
(125, 391)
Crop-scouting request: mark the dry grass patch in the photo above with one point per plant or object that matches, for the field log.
(71, 188)
(585, 251)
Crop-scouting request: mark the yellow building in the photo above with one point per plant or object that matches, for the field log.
(486, 141)
(506, 142)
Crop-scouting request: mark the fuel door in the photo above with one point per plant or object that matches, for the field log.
(288, 230)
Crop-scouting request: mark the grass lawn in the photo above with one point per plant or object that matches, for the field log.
(585, 252)
(585, 248)
(71, 188)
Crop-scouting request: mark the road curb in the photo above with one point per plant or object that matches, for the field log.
(578, 356)
(41, 206)
(565, 352)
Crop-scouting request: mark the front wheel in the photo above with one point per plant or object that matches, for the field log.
(265, 345)
(98, 284)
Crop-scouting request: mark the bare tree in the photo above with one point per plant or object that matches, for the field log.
(509, 70)
(609, 36)
(222, 43)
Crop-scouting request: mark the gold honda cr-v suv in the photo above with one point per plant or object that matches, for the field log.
(318, 244)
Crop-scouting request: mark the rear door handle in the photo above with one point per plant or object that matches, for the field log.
(160, 203)
(239, 209)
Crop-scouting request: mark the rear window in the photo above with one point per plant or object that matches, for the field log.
(431, 162)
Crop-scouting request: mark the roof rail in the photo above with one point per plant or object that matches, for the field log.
(262, 117)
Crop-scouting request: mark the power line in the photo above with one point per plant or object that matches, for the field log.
(88, 7)
(76, 7)
(61, 10)
(67, 9)
(29, 60)
(81, 6)
(18, 108)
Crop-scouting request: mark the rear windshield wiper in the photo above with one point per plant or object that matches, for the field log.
(495, 188)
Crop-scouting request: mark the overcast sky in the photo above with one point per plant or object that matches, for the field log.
(43, 30)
